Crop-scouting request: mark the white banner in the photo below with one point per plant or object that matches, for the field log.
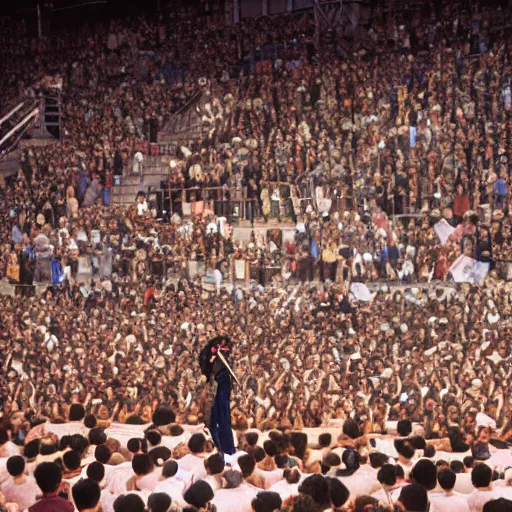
(361, 292)
(443, 231)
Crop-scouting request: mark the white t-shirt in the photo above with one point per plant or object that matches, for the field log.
(172, 487)
(284, 489)
(454, 503)
(463, 484)
(477, 499)
(235, 500)
(194, 464)
(25, 494)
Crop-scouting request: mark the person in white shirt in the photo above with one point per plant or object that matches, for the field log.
(199, 494)
(194, 461)
(387, 477)
(266, 500)
(481, 477)
(147, 477)
(7, 447)
(86, 495)
(448, 500)
(236, 494)
(289, 486)
(19, 488)
(170, 484)
(96, 472)
(214, 466)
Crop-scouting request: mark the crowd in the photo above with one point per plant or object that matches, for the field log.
(391, 156)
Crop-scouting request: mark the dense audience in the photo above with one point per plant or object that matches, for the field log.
(390, 154)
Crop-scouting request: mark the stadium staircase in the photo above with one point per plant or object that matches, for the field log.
(183, 127)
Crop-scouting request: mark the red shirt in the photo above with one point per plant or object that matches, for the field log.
(460, 204)
(52, 503)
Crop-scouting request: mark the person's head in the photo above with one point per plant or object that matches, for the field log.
(378, 459)
(325, 440)
(214, 464)
(129, 503)
(424, 473)
(79, 443)
(442, 464)
(247, 463)
(170, 469)
(457, 466)
(76, 412)
(16, 465)
(197, 443)
(429, 451)
(159, 455)
(48, 476)
(338, 492)
(387, 475)
(90, 421)
(137, 445)
(102, 453)
(270, 448)
(97, 436)
(468, 461)
(414, 498)
(153, 437)
(266, 501)
(198, 494)
(365, 502)
(159, 502)
(304, 503)
(351, 429)
(86, 495)
(31, 449)
(446, 479)
(163, 415)
(281, 461)
(96, 471)
(317, 487)
(404, 428)
(417, 442)
(142, 464)
(481, 475)
(259, 454)
(330, 460)
(71, 460)
(251, 438)
(292, 476)
(232, 479)
(498, 505)
(406, 451)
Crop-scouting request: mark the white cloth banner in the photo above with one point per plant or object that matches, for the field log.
(361, 292)
(468, 270)
(443, 231)
(240, 269)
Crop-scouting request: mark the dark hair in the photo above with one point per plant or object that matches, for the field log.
(97, 436)
(48, 476)
(317, 487)
(406, 451)
(468, 461)
(299, 441)
(159, 452)
(79, 443)
(153, 437)
(282, 461)
(414, 498)
(417, 442)
(96, 471)
(270, 448)
(159, 502)
(404, 428)
(252, 438)
(446, 479)
(90, 421)
(129, 503)
(31, 450)
(215, 464)
(176, 430)
(47, 448)
(338, 492)
(163, 416)
(292, 476)
(266, 501)
(498, 505)
(304, 503)
(65, 442)
(424, 473)
(170, 469)
(137, 444)
(387, 475)
(142, 464)
(4, 436)
(441, 462)
(86, 494)
(71, 459)
(378, 459)
(399, 470)
(102, 453)
(481, 475)
(198, 494)
(325, 440)
(15, 465)
(196, 443)
(76, 412)
(259, 454)
(365, 502)
(246, 464)
(457, 466)
(429, 451)
(351, 429)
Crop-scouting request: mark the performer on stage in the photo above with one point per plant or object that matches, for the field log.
(213, 361)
